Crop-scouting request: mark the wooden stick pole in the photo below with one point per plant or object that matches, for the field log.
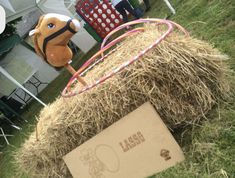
(72, 71)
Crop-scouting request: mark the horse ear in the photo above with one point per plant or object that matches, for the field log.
(33, 32)
(40, 21)
(36, 31)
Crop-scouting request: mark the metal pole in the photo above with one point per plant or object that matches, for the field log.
(4, 135)
(170, 6)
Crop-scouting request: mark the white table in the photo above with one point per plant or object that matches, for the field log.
(31, 81)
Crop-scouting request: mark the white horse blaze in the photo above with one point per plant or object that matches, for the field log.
(63, 18)
(58, 16)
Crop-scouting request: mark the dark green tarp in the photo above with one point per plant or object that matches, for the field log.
(9, 43)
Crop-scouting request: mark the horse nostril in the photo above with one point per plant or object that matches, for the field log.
(76, 24)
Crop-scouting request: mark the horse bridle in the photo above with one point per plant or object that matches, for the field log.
(57, 33)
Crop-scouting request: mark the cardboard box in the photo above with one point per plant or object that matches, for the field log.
(137, 146)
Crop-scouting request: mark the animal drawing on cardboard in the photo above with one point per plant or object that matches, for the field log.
(51, 36)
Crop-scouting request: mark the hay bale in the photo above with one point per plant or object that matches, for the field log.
(183, 78)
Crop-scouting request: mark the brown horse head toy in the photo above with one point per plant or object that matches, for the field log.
(51, 36)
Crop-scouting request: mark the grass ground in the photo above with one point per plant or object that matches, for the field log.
(209, 147)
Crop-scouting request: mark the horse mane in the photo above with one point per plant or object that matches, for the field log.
(35, 39)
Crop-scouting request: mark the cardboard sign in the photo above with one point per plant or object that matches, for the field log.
(137, 146)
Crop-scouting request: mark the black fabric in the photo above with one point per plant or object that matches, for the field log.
(139, 11)
(124, 5)
(7, 44)
(52, 36)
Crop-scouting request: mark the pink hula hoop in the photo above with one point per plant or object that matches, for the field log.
(168, 23)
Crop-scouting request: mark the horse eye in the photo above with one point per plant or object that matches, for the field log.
(50, 25)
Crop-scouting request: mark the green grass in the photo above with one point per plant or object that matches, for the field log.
(209, 147)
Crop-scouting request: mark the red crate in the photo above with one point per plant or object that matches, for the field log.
(100, 14)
